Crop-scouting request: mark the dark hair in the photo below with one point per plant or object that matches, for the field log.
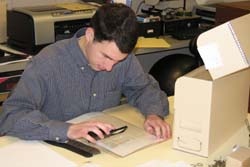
(116, 22)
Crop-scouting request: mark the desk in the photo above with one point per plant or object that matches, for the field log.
(161, 151)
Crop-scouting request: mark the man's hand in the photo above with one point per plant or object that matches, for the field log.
(81, 130)
(158, 127)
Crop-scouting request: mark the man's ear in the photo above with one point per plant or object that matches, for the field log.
(90, 34)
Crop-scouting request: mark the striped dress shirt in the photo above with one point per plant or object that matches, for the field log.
(58, 85)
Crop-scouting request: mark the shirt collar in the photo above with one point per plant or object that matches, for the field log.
(76, 51)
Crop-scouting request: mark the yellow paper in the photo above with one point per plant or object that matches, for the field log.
(76, 6)
(152, 43)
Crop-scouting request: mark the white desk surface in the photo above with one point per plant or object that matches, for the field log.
(161, 151)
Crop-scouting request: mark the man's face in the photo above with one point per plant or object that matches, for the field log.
(101, 56)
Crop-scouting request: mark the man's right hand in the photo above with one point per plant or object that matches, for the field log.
(82, 129)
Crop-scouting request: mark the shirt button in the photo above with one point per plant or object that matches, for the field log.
(94, 94)
(82, 68)
(57, 138)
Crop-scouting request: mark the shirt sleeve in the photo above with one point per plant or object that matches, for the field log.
(143, 91)
(22, 116)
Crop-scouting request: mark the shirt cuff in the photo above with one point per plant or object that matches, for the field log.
(58, 132)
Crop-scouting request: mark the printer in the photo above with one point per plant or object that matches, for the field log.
(29, 29)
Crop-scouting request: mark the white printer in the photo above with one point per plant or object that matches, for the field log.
(29, 29)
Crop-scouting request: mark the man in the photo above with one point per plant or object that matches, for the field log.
(86, 73)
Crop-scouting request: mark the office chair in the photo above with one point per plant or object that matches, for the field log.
(171, 67)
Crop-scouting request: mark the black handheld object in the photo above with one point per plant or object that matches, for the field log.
(77, 147)
(112, 132)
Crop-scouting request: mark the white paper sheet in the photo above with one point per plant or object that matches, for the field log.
(210, 55)
(132, 140)
(33, 154)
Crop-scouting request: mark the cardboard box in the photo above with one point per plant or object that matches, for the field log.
(239, 158)
(211, 105)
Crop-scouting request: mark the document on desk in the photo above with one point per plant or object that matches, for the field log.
(152, 43)
(31, 153)
(123, 144)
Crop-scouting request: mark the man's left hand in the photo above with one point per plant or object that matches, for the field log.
(157, 126)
